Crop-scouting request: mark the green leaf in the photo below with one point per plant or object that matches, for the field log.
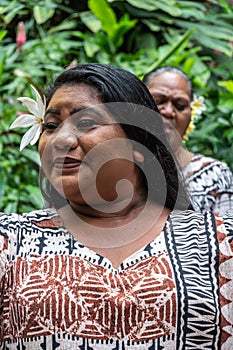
(190, 5)
(228, 85)
(152, 5)
(65, 25)
(104, 13)
(11, 208)
(210, 30)
(42, 14)
(192, 13)
(226, 6)
(153, 25)
(220, 46)
(90, 48)
(171, 10)
(33, 195)
(124, 25)
(2, 34)
(225, 105)
(93, 23)
(32, 155)
(182, 41)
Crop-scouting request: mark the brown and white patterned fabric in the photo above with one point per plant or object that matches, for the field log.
(175, 293)
(210, 184)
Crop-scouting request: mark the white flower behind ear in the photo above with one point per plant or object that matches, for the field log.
(198, 106)
(35, 119)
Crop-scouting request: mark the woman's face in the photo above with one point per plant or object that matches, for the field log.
(84, 153)
(171, 93)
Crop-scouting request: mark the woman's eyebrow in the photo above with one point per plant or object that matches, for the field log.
(52, 111)
(76, 110)
(181, 99)
(87, 109)
(156, 93)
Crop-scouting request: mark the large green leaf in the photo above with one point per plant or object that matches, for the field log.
(227, 84)
(190, 5)
(104, 13)
(2, 34)
(90, 20)
(9, 11)
(215, 44)
(65, 25)
(42, 14)
(151, 5)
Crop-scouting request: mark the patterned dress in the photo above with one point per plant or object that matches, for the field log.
(174, 293)
(210, 184)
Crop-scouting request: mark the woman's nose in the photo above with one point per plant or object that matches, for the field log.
(66, 137)
(168, 110)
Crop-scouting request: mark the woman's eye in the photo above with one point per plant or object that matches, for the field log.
(159, 102)
(180, 107)
(86, 124)
(49, 126)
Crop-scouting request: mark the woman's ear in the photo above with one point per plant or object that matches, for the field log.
(138, 156)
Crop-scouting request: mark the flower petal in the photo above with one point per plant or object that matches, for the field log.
(36, 136)
(34, 120)
(31, 105)
(40, 103)
(24, 121)
(198, 105)
(29, 136)
(201, 99)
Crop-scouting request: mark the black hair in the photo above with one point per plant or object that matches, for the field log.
(141, 121)
(149, 76)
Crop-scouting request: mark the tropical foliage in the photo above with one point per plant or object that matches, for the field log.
(139, 36)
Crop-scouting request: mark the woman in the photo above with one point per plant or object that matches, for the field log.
(117, 262)
(209, 181)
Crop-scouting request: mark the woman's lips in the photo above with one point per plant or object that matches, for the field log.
(66, 163)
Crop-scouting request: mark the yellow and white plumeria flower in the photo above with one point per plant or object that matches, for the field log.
(197, 107)
(35, 119)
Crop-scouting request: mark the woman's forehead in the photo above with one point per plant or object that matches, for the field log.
(169, 83)
(75, 94)
(171, 79)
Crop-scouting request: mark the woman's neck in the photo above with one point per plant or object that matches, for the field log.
(109, 235)
(122, 209)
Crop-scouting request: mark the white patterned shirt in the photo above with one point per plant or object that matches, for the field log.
(174, 293)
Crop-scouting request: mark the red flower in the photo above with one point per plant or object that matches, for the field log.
(21, 36)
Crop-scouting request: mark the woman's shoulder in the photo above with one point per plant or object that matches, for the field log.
(208, 173)
(13, 220)
(203, 161)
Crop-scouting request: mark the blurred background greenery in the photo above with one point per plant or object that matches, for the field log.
(196, 36)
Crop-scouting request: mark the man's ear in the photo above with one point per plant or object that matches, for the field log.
(138, 156)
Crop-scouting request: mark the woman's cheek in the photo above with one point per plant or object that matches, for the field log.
(44, 147)
(41, 145)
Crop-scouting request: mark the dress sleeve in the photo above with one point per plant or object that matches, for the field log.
(225, 275)
(8, 240)
(3, 244)
(224, 190)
